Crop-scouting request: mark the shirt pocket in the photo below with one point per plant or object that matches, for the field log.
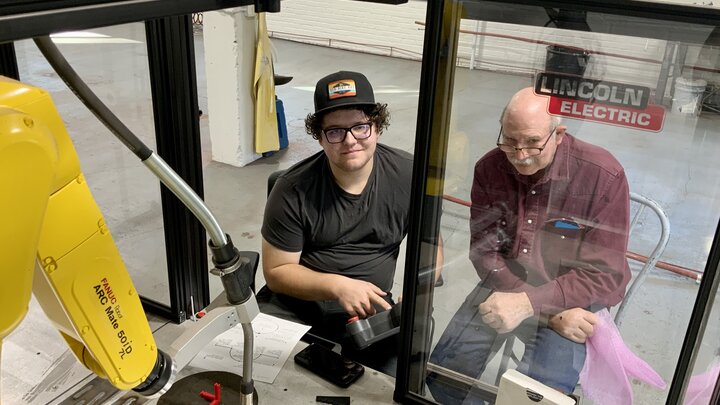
(562, 237)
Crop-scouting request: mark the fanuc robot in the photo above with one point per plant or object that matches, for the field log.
(55, 244)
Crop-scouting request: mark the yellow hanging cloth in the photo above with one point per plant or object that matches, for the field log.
(266, 127)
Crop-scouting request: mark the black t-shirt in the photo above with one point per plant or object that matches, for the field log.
(357, 236)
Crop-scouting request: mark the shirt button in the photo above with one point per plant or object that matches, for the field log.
(562, 236)
(529, 221)
(532, 192)
(524, 250)
(503, 222)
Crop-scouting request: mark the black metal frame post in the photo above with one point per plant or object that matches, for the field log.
(431, 50)
(171, 56)
(8, 61)
(436, 86)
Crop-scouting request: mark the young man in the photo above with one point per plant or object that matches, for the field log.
(549, 231)
(334, 222)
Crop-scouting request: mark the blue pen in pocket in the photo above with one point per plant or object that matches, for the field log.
(564, 226)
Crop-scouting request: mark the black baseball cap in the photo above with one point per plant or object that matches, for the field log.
(343, 89)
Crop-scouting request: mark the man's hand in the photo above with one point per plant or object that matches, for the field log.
(505, 311)
(359, 297)
(575, 324)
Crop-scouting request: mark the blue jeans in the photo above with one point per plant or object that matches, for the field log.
(467, 344)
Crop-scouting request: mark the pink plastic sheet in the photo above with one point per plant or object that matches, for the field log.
(610, 365)
(700, 387)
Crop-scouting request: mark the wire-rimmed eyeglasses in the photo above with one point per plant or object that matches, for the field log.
(359, 131)
(530, 151)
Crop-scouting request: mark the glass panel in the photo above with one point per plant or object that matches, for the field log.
(125, 190)
(705, 376)
(609, 117)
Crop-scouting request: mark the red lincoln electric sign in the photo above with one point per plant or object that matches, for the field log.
(600, 101)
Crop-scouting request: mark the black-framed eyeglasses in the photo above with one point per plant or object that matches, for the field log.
(530, 151)
(359, 131)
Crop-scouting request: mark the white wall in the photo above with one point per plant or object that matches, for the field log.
(393, 31)
(377, 28)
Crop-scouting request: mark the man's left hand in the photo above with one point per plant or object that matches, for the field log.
(505, 311)
(575, 324)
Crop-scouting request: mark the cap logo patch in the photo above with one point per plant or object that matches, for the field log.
(341, 88)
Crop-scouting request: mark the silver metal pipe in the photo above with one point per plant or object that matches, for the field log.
(187, 195)
(248, 345)
(652, 259)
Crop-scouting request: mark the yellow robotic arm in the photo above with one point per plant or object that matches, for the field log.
(55, 242)
(28, 158)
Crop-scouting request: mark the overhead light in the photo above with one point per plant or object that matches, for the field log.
(87, 37)
(386, 1)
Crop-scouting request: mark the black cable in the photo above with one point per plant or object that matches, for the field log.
(91, 101)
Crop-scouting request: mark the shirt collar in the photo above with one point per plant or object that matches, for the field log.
(560, 166)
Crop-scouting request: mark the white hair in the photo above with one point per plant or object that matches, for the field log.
(555, 121)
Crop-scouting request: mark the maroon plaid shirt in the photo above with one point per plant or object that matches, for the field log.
(562, 240)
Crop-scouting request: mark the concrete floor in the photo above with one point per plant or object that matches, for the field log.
(677, 167)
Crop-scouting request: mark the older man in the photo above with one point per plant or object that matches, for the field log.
(549, 231)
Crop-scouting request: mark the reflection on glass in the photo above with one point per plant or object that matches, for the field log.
(548, 232)
(541, 237)
(126, 192)
(705, 375)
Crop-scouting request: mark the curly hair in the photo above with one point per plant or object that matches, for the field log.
(378, 114)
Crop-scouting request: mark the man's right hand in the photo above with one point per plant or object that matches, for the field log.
(575, 324)
(359, 298)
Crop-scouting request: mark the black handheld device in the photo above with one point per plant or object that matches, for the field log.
(329, 365)
(383, 324)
